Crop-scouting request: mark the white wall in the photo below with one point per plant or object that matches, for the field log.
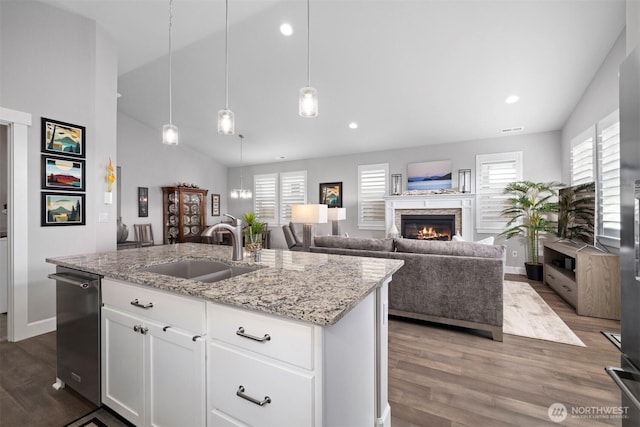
(633, 25)
(146, 162)
(542, 162)
(599, 100)
(61, 66)
(3, 175)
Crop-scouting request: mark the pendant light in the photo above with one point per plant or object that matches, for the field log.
(170, 131)
(241, 193)
(226, 120)
(308, 102)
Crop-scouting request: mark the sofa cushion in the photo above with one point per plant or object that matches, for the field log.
(358, 243)
(436, 247)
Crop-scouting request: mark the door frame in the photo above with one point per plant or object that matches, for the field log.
(18, 327)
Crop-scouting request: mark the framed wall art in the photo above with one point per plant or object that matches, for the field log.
(215, 205)
(143, 201)
(429, 175)
(62, 209)
(331, 194)
(63, 138)
(65, 174)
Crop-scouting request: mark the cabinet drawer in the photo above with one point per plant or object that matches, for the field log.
(288, 340)
(562, 284)
(168, 309)
(289, 391)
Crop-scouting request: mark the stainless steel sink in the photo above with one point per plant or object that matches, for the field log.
(200, 270)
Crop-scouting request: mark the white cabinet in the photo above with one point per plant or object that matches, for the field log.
(264, 370)
(153, 372)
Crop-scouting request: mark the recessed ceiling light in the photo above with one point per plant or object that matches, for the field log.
(512, 99)
(286, 29)
(353, 125)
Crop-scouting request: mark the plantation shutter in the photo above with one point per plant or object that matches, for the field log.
(293, 191)
(265, 196)
(372, 187)
(493, 173)
(582, 165)
(609, 177)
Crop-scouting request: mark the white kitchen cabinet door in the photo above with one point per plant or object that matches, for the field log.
(122, 365)
(177, 381)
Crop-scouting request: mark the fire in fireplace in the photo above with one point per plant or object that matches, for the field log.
(428, 227)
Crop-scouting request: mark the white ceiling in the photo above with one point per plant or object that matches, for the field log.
(409, 72)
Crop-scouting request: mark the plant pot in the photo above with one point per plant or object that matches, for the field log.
(534, 271)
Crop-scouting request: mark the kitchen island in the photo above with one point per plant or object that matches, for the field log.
(300, 340)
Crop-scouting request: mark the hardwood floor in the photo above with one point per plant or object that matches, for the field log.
(442, 376)
(27, 371)
(438, 376)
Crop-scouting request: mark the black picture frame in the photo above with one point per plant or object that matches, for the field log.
(62, 209)
(215, 205)
(62, 173)
(331, 194)
(63, 139)
(143, 202)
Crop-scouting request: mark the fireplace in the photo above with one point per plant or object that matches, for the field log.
(428, 227)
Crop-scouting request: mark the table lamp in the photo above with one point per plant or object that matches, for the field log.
(308, 215)
(336, 215)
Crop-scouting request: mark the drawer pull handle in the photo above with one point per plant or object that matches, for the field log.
(138, 304)
(241, 332)
(241, 394)
(136, 328)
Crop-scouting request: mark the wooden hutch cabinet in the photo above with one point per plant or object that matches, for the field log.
(183, 213)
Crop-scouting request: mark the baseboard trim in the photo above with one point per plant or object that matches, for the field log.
(41, 327)
(515, 270)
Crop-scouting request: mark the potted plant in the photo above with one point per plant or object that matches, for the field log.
(530, 207)
(252, 232)
(576, 212)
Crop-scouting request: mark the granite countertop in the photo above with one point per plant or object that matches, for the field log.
(313, 287)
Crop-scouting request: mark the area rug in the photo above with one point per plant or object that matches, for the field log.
(527, 315)
(101, 417)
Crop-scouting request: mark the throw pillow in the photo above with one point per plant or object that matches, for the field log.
(486, 241)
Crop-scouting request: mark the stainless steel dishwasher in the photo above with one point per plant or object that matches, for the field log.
(78, 301)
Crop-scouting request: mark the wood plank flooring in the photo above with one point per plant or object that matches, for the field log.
(442, 376)
(438, 376)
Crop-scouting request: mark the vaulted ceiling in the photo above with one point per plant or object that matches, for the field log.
(409, 72)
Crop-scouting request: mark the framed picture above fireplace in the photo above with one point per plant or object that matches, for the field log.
(429, 175)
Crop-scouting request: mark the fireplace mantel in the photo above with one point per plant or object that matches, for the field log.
(465, 202)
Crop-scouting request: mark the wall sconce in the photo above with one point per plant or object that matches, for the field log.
(110, 178)
(396, 184)
(464, 180)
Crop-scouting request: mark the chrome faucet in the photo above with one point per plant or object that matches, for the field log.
(236, 235)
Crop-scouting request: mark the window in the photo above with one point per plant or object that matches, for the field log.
(293, 191)
(493, 173)
(273, 195)
(372, 187)
(265, 196)
(608, 182)
(582, 167)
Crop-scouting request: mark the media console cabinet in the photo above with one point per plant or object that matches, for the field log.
(585, 277)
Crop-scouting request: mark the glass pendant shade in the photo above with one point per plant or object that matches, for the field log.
(235, 193)
(308, 104)
(226, 122)
(170, 134)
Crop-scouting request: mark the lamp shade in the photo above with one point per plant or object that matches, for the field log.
(337, 214)
(309, 214)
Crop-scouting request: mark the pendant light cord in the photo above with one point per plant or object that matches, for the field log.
(226, 56)
(170, 62)
(241, 162)
(308, 47)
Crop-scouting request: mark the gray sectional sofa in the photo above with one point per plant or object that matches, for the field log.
(455, 283)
